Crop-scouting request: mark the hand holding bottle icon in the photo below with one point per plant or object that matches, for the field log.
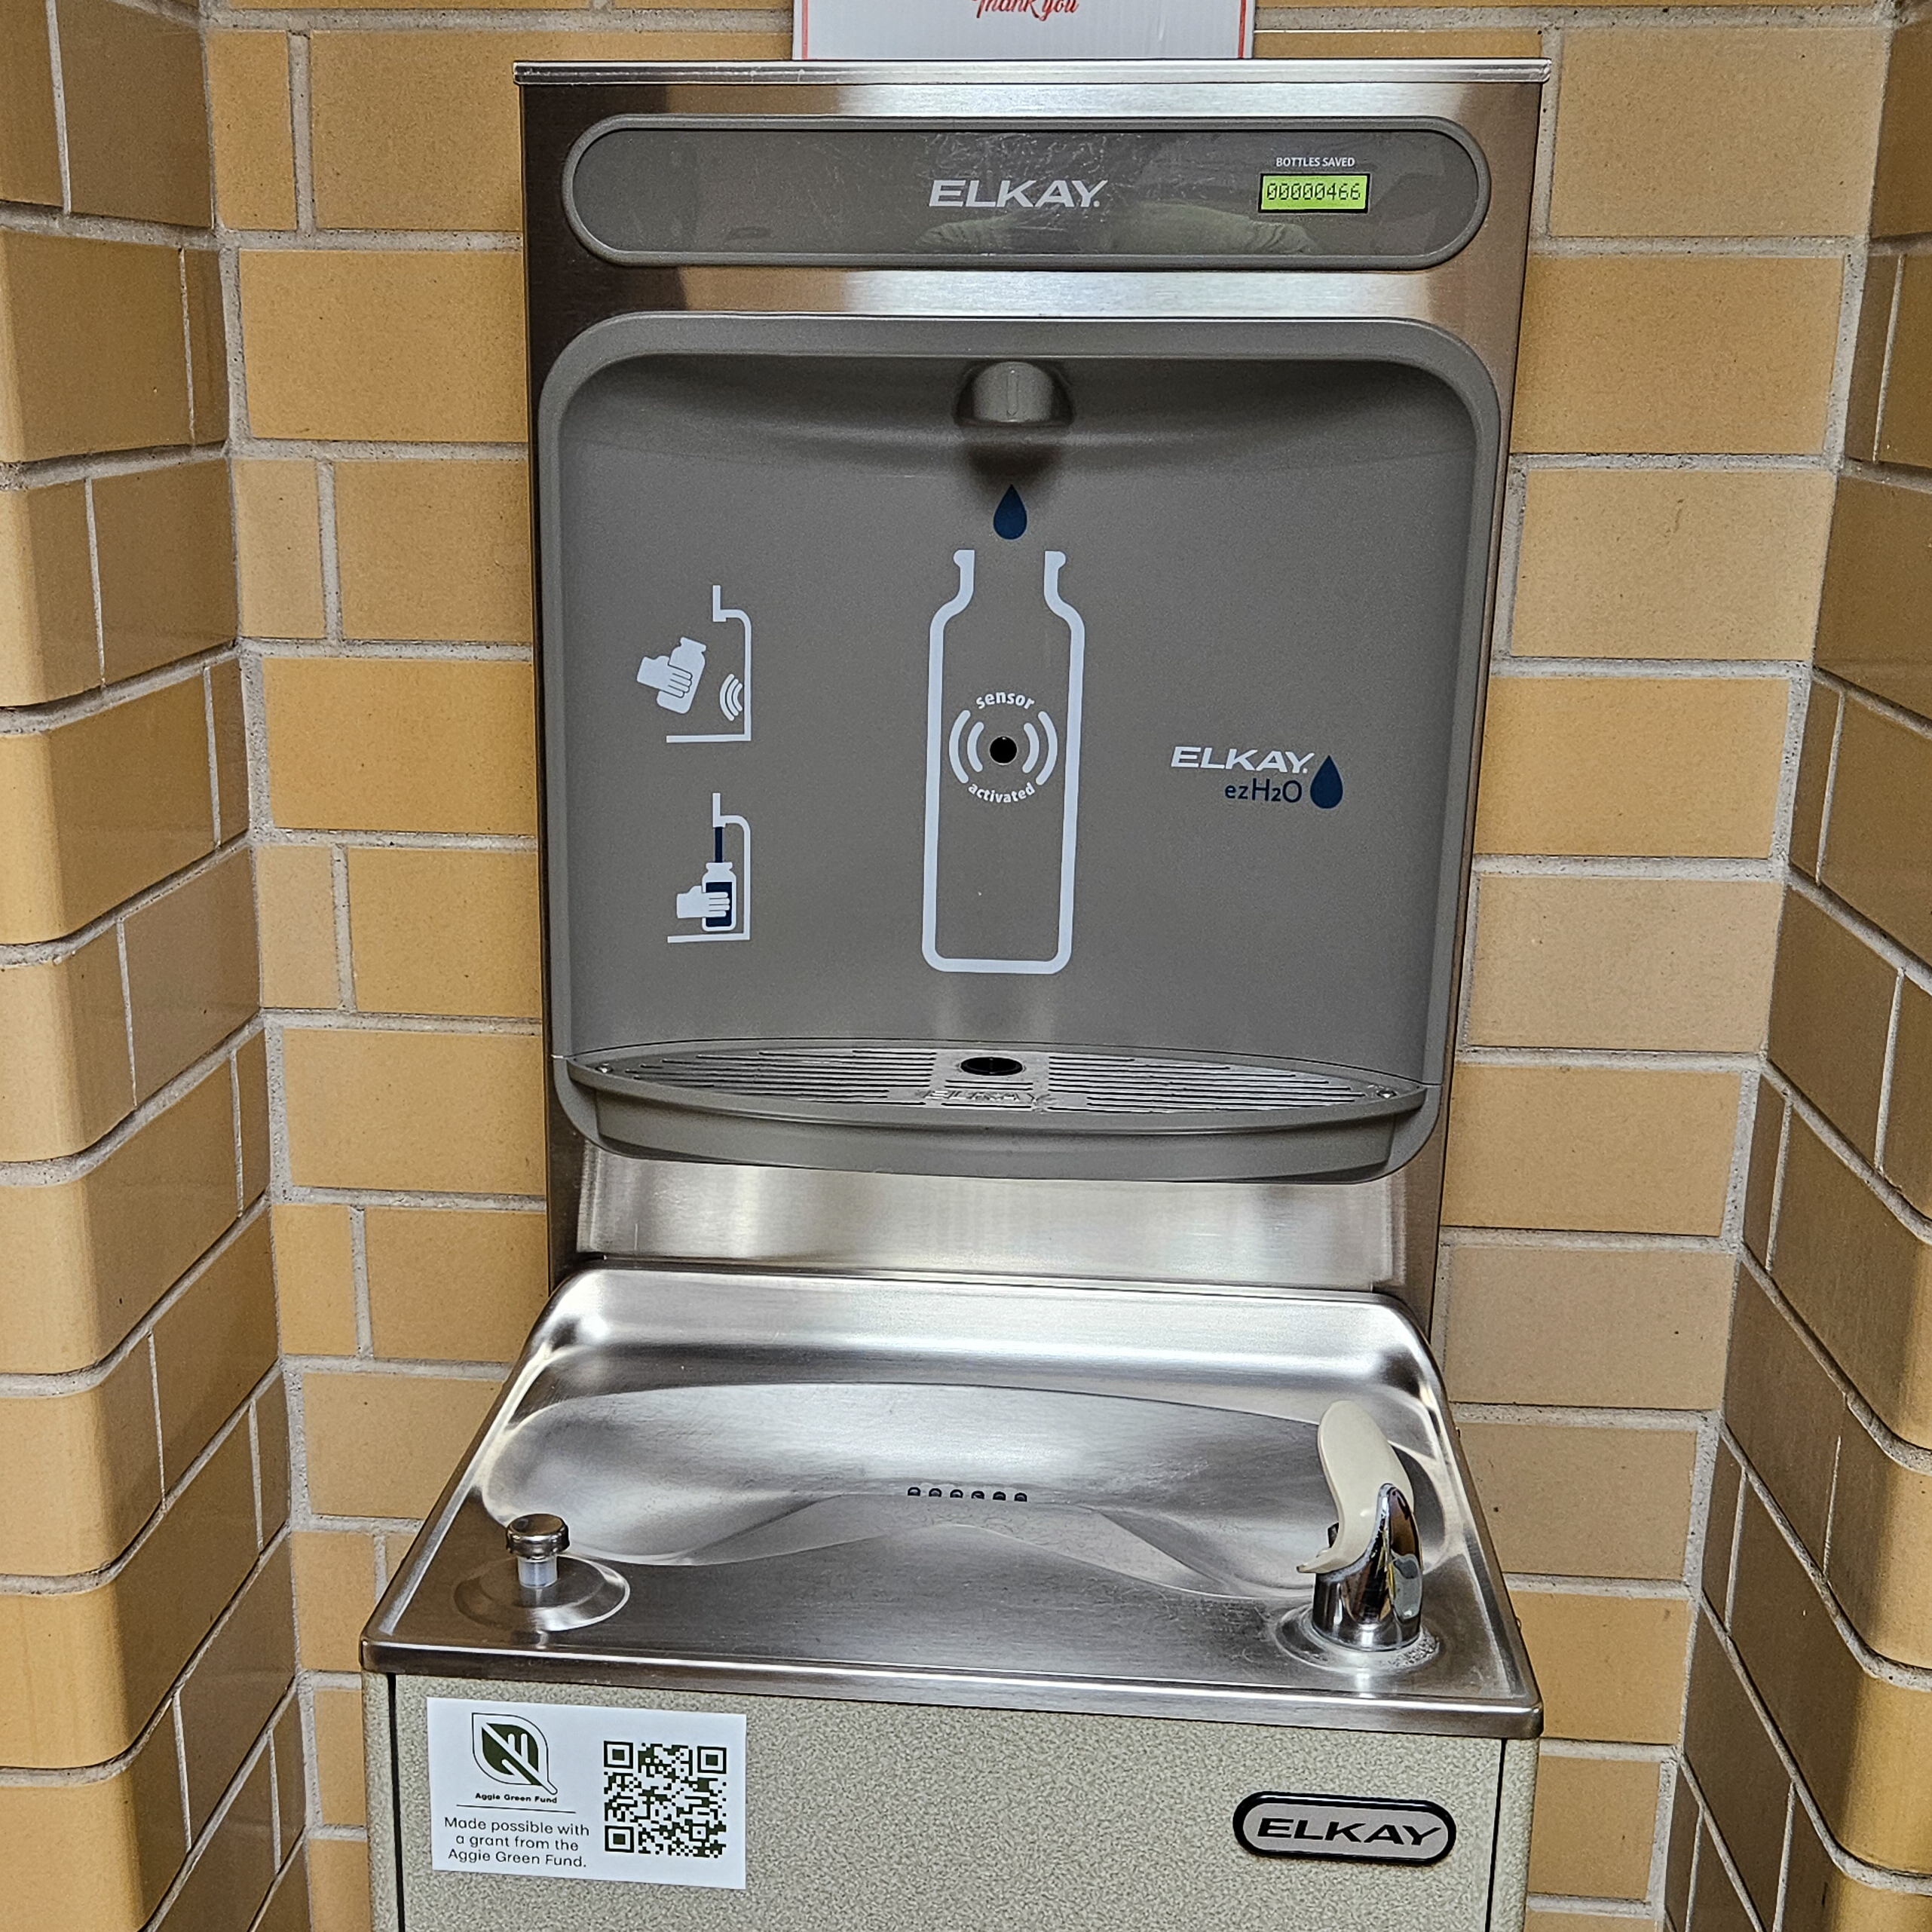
(675, 676)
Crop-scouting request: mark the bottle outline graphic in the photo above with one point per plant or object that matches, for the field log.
(939, 757)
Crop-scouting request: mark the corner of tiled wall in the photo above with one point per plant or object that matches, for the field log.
(1808, 1804)
(151, 1753)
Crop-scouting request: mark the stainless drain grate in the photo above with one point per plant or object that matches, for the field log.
(893, 1074)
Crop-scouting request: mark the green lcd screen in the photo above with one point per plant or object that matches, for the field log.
(1334, 193)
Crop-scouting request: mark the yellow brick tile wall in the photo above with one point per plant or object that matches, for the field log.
(1811, 1702)
(152, 1765)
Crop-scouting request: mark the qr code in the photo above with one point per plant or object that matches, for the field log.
(664, 1801)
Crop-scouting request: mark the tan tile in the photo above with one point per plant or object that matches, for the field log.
(1830, 1017)
(291, 1780)
(81, 1672)
(251, 1077)
(420, 130)
(1902, 199)
(273, 1480)
(255, 154)
(152, 163)
(229, 723)
(459, 1113)
(1720, 100)
(1682, 1849)
(1761, 1176)
(295, 895)
(1881, 1521)
(47, 645)
(335, 1573)
(166, 558)
(1808, 803)
(1860, 1280)
(1879, 842)
(389, 346)
(1860, 1740)
(339, 1756)
(129, 1823)
(1611, 1668)
(387, 744)
(1670, 563)
(64, 1078)
(338, 1884)
(82, 1473)
(384, 1445)
(278, 543)
(1907, 1151)
(1596, 1820)
(1591, 1327)
(208, 343)
(214, 1344)
(1701, 355)
(231, 1690)
(1821, 1897)
(1873, 339)
(191, 969)
(434, 550)
(397, 1546)
(1572, 1500)
(1727, 1477)
(87, 1258)
(234, 1867)
(288, 1907)
(315, 1289)
(29, 145)
(1737, 1769)
(1878, 582)
(92, 354)
(451, 1285)
(1905, 411)
(1645, 1152)
(96, 809)
(1715, 1905)
(1386, 43)
(1660, 964)
(437, 931)
(1561, 757)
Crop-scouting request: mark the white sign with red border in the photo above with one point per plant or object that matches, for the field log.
(1022, 29)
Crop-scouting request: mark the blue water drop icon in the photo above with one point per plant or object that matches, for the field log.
(1009, 520)
(1326, 790)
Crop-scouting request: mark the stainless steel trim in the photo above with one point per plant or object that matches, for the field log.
(1244, 75)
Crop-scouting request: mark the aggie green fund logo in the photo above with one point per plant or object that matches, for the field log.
(511, 1750)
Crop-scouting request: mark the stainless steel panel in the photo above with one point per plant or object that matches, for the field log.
(743, 1451)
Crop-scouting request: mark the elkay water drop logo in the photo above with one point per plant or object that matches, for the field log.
(1009, 520)
(1263, 775)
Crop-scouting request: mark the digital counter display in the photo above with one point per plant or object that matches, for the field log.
(1331, 193)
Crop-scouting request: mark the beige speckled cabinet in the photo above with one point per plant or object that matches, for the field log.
(883, 1817)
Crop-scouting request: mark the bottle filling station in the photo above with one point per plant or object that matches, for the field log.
(1016, 552)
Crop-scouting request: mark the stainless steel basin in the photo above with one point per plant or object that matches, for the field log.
(1031, 1494)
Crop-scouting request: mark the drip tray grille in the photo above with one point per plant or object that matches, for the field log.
(834, 1077)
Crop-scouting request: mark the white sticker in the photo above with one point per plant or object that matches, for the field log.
(1021, 29)
(587, 1791)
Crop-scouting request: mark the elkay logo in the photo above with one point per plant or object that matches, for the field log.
(1322, 791)
(1028, 194)
(1371, 1831)
(511, 1752)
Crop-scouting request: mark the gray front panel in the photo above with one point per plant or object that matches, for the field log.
(1261, 638)
(888, 1817)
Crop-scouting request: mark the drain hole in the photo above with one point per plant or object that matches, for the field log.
(978, 1496)
(991, 1065)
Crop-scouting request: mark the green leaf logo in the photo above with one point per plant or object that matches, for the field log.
(511, 1751)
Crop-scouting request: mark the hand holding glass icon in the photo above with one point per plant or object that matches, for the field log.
(675, 675)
